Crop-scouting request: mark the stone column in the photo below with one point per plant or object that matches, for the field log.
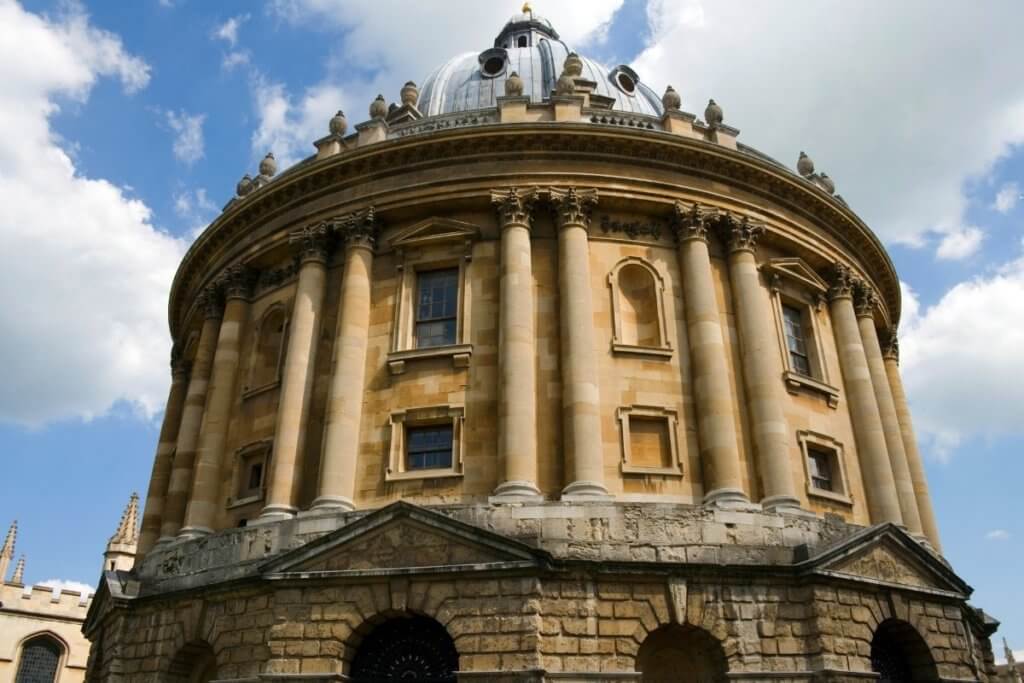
(580, 398)
(517, 383)
(716, 421)
(180, 484)
(891, 358)
(311, 243)
(762, 367)
(161, 475)
(205, 500)
(876, 471)
(865, 304)
(345, 404)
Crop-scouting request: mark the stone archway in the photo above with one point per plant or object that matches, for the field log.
(900, 655)
(405, 648)
(681, 653)
(194, 663)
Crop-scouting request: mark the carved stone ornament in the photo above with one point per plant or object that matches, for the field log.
(804, 165)
(268, 165)
(410, 94)
(632, 229)
(573, 65)
(671, 100)
(238, 280)
(514, 85)
(864, 299)
(378, 108)
(515, 206)
(360, 228)
(742, 232)
(179, 366)
(565, 85)
(212, 303)
(311, 242)
(338, 124)
(713, 114)
(690, 222)
(572, 206)
(891, 345)
(244, 186)
(843, 282)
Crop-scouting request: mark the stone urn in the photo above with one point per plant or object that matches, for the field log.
(378, 108)
(244, 186)
(827, 183)
(410, 94)
(804, 165)
(338, 124)
(573, 65)
(514, 85)
(268, 166)
(713, 114)
(671, 100)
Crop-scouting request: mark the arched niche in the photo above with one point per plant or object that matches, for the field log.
(195, 662)
(900, 655)
(681, 653)
(402, 647)
(268, 349)
(638, 309)
(39, 658)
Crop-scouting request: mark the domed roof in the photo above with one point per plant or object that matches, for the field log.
(529, 46)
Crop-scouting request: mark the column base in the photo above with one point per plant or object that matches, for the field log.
(516, 492)
(586, 490)
(162, 541)
(275, 513)
(786, 505)
(728, 499)
(193, 532)
(325, 504)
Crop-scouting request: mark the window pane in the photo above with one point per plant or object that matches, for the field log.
(436, 301)
(820, 466)
(793, 322)
(39, 659)
(428, 447)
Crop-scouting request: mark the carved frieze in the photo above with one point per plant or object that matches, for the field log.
(275, 277)
(237, 281)
(632, 229)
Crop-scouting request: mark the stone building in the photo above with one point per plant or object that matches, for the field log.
(41, 638)
(535, 376)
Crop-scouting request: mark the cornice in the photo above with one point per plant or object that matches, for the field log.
(313, 179)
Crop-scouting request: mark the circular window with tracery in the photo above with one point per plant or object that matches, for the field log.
(406, 649)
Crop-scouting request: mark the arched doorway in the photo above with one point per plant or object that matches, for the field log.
(681, 653)
(900, 655)
(39, 660)
(194, 663)
(411, 649)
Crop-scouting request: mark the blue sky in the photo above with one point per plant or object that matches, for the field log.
(128, 124)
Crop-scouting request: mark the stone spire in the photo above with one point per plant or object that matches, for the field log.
(1012, 672)
(19, 571)
(120, 552)
(7, 551)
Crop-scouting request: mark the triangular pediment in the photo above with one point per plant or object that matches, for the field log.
(888, 555)
(797, 270)
(434, 230)
(403, 538)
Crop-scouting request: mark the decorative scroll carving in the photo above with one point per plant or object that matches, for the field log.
(843, 282)
(572, 206)
(211, 302)
(690, 222)
(864, 299)
(311, 243)
(359, 228)
(515, 206)
(742, 233)
(237, 281)
(891, 345)
(632, 229)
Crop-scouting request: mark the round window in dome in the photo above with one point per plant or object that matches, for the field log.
(625, 79)
(492, 62)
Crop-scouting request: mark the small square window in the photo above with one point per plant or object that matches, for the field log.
(819, 463)
(252, 468)
(429, 447)
(437, 298)
(649, 445)
(826, 474)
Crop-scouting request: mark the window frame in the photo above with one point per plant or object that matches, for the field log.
(426, 416)
(671, 418)
(417, 321)
(260, 450)
(663, 349)
(62, 656)
(813, 441)
(256, 336)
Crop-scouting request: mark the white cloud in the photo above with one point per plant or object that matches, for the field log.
(234, 59)
(958, 358)
(899, 111)
(66, 585)
(228, 31)
(1000, 658)
(196, 208)
(997, 535)
(1007, 198)
(959, 244)
(288, 127)
(188, 141)
(83, 271)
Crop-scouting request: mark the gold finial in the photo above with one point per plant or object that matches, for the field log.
(527, 9)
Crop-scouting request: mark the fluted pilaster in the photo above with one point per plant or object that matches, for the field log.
(716, 419)
(580, 394)
(345, 404)
(517, 412)
(311, 247)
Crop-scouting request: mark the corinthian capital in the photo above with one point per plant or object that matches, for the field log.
(311, 243)
(891, 345)
(572, 206)
(742, 233)
(691, 221)
(237, 281)
(360, 228)
(864, 299)
(842, 282)
(515, 206)
(211, 302)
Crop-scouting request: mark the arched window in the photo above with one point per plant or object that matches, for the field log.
(268, 352)
(681, 653)
(638, 316)
(900, 655)
(406, 648)
(40, 657)
(522, 41)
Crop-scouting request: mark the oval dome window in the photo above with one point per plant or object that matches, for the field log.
(625, 79)
(492, 62)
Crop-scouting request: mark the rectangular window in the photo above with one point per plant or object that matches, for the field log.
(428, 448)
(819, 463)
(796, 343)
(251, 474)
(437, 298)
(649, 444)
